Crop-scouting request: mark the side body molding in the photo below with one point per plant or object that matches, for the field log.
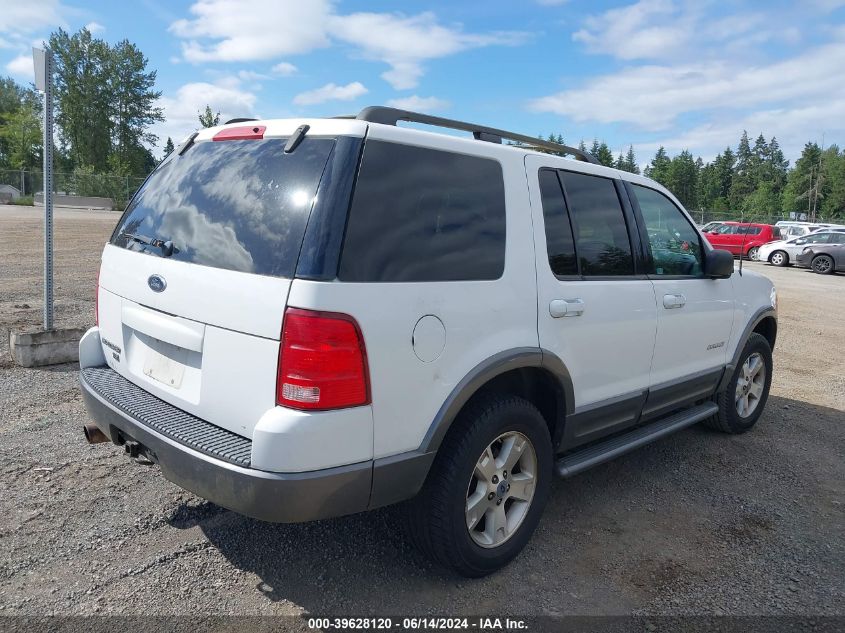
(400, 477)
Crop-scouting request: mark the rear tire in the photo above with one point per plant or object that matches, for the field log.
(743, 400)
(752, 253)
(460, 518)
(822, 264)
(779, 258)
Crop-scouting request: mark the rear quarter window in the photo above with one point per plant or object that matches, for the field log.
(236, 205)
(420, 214)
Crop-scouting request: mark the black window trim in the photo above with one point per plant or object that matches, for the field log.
(703, 245)
(634, 236)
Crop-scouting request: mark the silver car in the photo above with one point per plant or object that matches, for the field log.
(785, 252)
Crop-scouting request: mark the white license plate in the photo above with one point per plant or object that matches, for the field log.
(166, 364)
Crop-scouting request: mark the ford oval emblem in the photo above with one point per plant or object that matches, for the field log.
(156, 283)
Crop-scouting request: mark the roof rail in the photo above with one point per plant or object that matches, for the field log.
(390, 116)
(238, 121)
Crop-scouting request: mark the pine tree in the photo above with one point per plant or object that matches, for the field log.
(682, 178)
(168, 146)
(604, 155)
(744, 180)
(208, 118)
(631, 161)
(802, 185)
(620, 162)
(658, 169)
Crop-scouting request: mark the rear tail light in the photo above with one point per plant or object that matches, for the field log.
(322, 362)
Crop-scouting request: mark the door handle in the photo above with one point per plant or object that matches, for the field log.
(674, 301)
(566, 308)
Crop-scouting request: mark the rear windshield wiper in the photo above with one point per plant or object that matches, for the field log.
(167, 247)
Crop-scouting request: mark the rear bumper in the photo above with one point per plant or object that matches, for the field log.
(277, 497)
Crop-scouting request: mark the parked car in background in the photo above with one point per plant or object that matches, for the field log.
(711, 226)
(785, 252)
(824, 258)
(743, 238)
(797, 229)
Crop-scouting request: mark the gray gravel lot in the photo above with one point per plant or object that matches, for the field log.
(700, 523)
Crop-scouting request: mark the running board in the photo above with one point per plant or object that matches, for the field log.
(595, 454)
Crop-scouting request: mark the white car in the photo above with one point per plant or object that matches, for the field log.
(785, 252)
(305, 318)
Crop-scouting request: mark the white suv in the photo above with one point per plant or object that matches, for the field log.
(300, 319)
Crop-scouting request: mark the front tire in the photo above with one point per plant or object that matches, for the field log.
(779, 258)
(822, 264)
(752, 253)
(741, 404)
(487, 487)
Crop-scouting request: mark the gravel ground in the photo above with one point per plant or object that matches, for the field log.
(699, 523)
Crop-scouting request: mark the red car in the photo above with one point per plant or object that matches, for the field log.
(743, 238)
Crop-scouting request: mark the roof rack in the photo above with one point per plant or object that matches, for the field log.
(390, 116)
(238, 121)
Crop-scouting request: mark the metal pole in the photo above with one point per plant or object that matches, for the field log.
(48, 192)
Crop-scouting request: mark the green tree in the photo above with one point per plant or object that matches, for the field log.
(21, 134)
(208, 118)
(133, 108)
(658, 169)
(83, 96)
(833, 168)
(631, 164)
(744, 180)
(802, 185)
(168, 146)
(682, 179)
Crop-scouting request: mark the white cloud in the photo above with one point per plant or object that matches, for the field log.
(419, 104)
(793, 126)
(22, 66)
(95, 27)
(247, 30)
(182, 108)
(331, 92)
(284, 69)
(653, 97)
(405, 43)
(25, 16)
(254, 30)
(635, 31)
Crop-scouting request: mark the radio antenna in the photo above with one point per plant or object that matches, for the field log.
(744, 230)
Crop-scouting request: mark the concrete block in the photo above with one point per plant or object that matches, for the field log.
(36, 348)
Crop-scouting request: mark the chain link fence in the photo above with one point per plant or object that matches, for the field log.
(78, 183)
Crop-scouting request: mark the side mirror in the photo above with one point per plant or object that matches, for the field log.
(718, 264)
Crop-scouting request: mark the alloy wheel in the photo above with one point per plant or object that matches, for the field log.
(750, 385)
(501, 489)
(822, 265)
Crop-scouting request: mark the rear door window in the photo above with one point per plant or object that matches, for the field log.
(601, 234)
(559, 240)
(420, 214)
(236, 205)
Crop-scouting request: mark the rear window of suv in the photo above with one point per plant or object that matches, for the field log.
(421, 214)
(236, 205)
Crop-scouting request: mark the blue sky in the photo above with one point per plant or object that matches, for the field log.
(684, 74)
